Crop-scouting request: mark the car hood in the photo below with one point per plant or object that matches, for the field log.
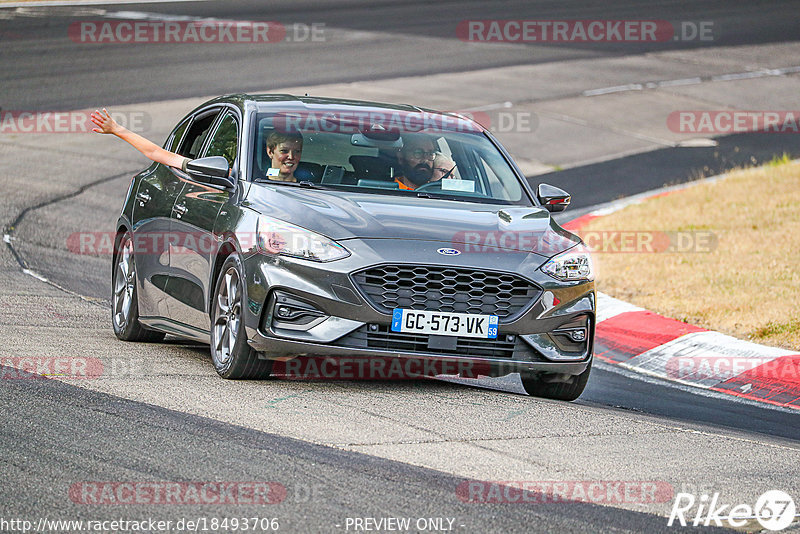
(344, 215)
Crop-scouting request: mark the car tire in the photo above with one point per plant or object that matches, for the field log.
(542, 385)
(233, 358)
(124, 297)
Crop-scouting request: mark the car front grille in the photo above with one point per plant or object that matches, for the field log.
(380, 337)
(447, 289)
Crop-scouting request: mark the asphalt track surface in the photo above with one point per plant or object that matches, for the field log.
(55, 433)
(327, 484)
(368, 40)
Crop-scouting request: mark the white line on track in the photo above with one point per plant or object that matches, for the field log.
(680, 81)
(497, 105)
(693, 81)
(144, 15)
(79, 3)
(614, 89)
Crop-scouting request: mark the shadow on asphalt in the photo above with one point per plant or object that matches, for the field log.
(610, 180)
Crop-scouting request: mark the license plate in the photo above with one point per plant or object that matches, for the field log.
(444, 323)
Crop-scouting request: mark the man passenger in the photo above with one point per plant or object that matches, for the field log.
(416, 161)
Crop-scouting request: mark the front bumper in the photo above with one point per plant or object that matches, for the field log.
(351, 325)
(471, 367)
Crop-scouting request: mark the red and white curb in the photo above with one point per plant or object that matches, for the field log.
(651, 344)
(646, 342)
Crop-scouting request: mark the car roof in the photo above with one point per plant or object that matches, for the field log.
(285, 102)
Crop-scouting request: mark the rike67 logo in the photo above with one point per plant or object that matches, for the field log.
(774, 510)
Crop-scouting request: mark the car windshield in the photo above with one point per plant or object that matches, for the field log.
(387, 153)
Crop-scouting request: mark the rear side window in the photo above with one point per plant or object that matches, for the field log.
(225, 140)
(196, 136)
(177, 134)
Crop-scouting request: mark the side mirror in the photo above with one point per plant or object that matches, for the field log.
(552, 198)
(213, 170)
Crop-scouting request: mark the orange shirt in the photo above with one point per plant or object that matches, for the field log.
(402, 185)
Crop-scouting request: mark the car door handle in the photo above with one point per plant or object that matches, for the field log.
(143, 198)
(179, 210)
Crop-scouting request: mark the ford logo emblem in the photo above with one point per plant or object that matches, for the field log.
(448, 252)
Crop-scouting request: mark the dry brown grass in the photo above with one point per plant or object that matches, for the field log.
(748, 286)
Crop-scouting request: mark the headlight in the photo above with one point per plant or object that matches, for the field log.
(570, 265)
(278, 237)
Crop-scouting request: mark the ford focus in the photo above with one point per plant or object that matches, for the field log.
(325, 228)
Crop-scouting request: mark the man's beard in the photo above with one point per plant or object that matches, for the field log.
(420, 174)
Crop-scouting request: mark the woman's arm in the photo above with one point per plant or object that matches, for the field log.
(106, 125)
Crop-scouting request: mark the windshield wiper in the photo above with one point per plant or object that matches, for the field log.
(422, 194)
(302, 183)
(310, 185)
(471, 199)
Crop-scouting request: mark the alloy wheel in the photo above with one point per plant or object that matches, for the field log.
(124, 284)
(227, 314)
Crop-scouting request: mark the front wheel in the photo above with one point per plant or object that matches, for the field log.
(233, 358)
(552, 386)
(124, 299)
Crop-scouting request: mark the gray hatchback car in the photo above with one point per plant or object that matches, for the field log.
(347, 233)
